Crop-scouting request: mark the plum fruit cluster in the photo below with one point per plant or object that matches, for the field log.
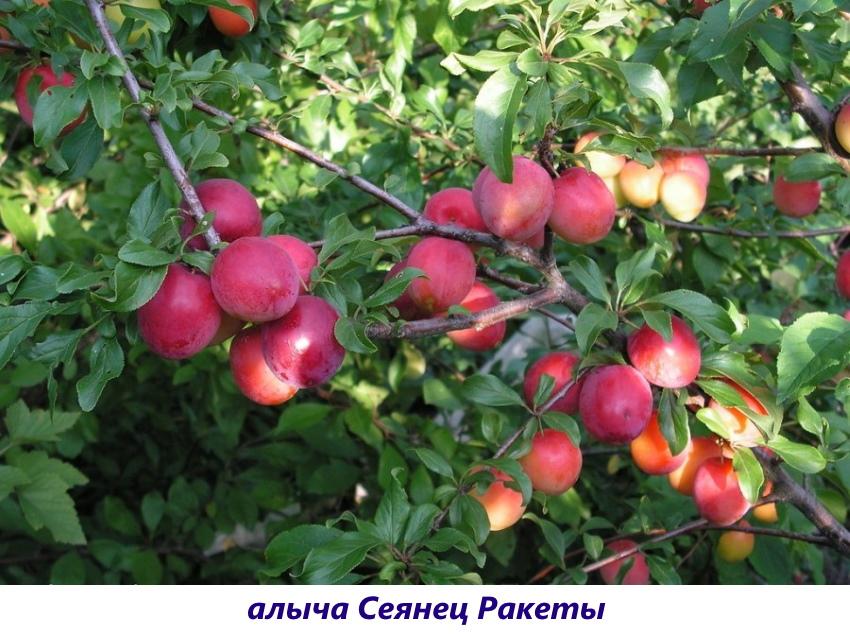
(257, 293)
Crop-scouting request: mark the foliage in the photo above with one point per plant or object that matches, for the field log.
(118, 466)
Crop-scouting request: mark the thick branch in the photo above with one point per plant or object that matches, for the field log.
(196, 209)
(817, 117)
(787, 489)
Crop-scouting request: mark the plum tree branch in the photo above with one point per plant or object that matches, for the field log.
(819, 119)
(787, 489)
(169, 155)
(771, 151)
(743, 233)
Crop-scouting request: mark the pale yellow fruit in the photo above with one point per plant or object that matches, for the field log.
(842, 127)
(682, 195)
(613, 184)
(734, 546)
(603, 164)
(640, 184)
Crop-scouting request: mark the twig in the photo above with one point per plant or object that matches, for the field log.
(771, 151)
(196, 209)
(742, 233)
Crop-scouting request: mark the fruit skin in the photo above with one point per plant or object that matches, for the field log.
(682, 162)
(449, 267)
(235, 210)
(613, 185)
(254, 280)
(229, 327)
(601, 163)
(303, 257)
(702, 448)
(301, 348)
(742, 431)
(842, 275)
(842, 127)
(230, 23)
(454, 206)
(536, 241)
(700, 6)
(560, 366)
(584, 209)
(47, 79)
(651, 452)
(682, 195)
(182, 317)
(115, 15)
(673, 364)
(766, 513)
(735, 546)
(407, 310)
(796, 199)
(553, 464)
(251, 372)
(717, 492)
(503, 505)
(516, 210)
(480, 297)
(637, 574)
(640, 184)
(615, 403)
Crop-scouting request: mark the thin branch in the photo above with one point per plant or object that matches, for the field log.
(196, 209)
(742, 233)
(771, 151)
(478, 320)
(15, 46)
(305, 153)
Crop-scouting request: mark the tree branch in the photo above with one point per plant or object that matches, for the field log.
(771, 151)
(196, 209)
(742, 233)
(817, 117)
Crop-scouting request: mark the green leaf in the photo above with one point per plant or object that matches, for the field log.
(17, 323)
(137, 252)
(590, 324)
(802, 457)
(565, 423)
(10, 478)
(750, 474)
(587, 272)
(152, 508)
(106, 361)
(45, 503)
(490, 391)
(147, 212)
(81, 148)
(813, 349)
(673, 421)
(434, 462)
(711, 418)
(392, 513)
(419, 523)
(105, 97)
(393, 288)
(646, 81)
(660, 322)
(37, 426)
(811, 167)
(496, 108)
(134, 286)
(352, 335)
(810, 419)
(456, 7)
(55, 109)
(289, 547)
(333, 560)
(19, 223)
(710, 318)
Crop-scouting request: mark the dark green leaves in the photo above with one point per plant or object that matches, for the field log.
(710, 318)
(495, 112)
(106, 361)
(490, 391)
